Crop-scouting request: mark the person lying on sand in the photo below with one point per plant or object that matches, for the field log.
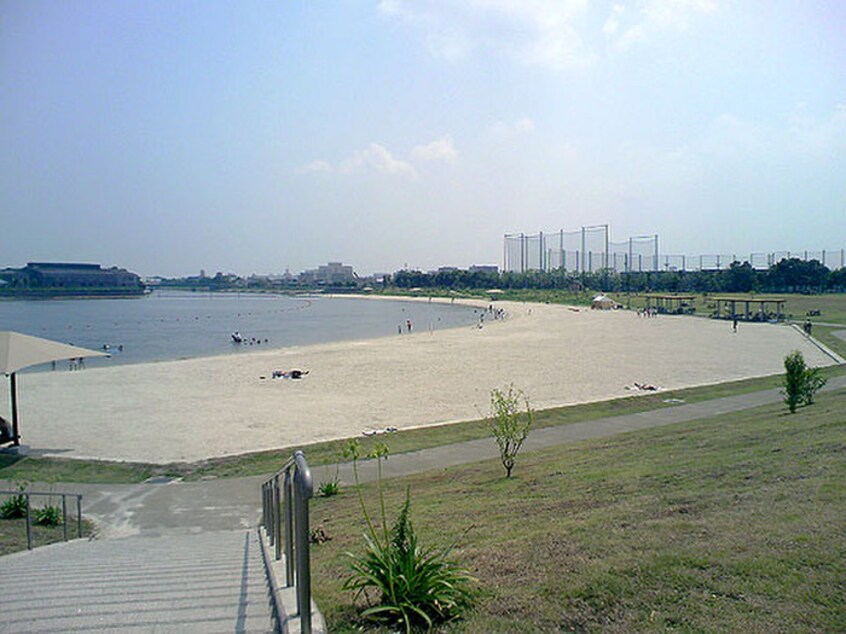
(646, 386)
(291, 374)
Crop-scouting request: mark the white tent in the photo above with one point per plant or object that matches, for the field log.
(18, 351)
(603, 302)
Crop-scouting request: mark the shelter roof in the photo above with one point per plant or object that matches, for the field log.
(18, 351)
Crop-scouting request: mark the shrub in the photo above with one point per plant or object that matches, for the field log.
(800, 382)
(328, 488)
(48, 516)
(15, 506)
(417, 586)
(509, 426)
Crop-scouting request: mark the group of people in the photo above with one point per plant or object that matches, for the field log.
(237, 337)
(648, 312)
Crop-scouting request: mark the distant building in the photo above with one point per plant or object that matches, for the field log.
(484, 268)
(331, 274)
(67, 275)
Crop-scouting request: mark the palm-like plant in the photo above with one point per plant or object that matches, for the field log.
(415, 585)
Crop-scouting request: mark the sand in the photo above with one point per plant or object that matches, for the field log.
(194, 409)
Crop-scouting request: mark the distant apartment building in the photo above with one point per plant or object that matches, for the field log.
(331, 274)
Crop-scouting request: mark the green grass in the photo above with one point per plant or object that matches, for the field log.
(34, 469)
(832, 306)
(825, 335)
(727, 524)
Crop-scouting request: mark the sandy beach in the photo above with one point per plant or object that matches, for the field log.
(200, 408)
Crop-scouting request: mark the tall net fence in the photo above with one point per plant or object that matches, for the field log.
(584, 250)
(590, 249)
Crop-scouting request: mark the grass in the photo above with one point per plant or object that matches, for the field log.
(37, 469)
(832, 306)
(13, 534)
(731, 523)
(825, 334)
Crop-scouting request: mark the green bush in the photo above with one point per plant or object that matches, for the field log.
(508, 425)
(416, 586)
(48, 516)
(800, 382)
(328, 488)
(15, 506)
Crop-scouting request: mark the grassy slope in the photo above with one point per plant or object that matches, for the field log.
(733, 523)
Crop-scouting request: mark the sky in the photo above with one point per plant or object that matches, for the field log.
(255, 137)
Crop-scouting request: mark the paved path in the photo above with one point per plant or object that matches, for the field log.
(203, 583)
(231, 503)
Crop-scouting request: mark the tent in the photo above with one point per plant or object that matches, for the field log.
(603, 302)
(19, 351)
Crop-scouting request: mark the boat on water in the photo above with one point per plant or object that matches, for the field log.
(237, 338)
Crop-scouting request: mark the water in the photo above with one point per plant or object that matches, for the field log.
(177, 325)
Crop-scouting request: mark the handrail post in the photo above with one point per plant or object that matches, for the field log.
(28, 523)
(289, 530)
(264, 506)
(277, 520)
(65, 516)
(79, 515)
(304, 491)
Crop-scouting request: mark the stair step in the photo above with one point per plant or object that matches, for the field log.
(204, 582)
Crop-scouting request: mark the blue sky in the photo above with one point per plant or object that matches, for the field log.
(255, 136)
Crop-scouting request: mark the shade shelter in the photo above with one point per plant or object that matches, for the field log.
(603, 302)
(19, 351)
(753, 308)
(670, 304)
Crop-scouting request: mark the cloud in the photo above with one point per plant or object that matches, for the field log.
(629, 25)
(536, 32)
(817, 135)
(317, 166)
(376, 158)
(503, 130)
(441, 149)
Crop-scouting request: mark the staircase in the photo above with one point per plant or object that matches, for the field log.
(177, 582)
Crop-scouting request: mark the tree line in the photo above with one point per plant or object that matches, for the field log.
(788, 276)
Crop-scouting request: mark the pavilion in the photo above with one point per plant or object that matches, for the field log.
(670, 304)
(750, 308)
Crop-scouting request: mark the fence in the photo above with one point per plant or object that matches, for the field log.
(26, 497)
(590, 250)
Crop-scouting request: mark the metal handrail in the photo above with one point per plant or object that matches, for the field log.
(64, 497)
(296, 489)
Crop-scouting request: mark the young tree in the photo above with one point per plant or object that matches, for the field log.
(508, 424)
(801, 383)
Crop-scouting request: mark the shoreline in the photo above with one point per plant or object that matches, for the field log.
(194, 409)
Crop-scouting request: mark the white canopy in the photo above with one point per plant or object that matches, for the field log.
(18, 351)
(603, 301)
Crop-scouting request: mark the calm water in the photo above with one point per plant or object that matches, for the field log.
(176, 325)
